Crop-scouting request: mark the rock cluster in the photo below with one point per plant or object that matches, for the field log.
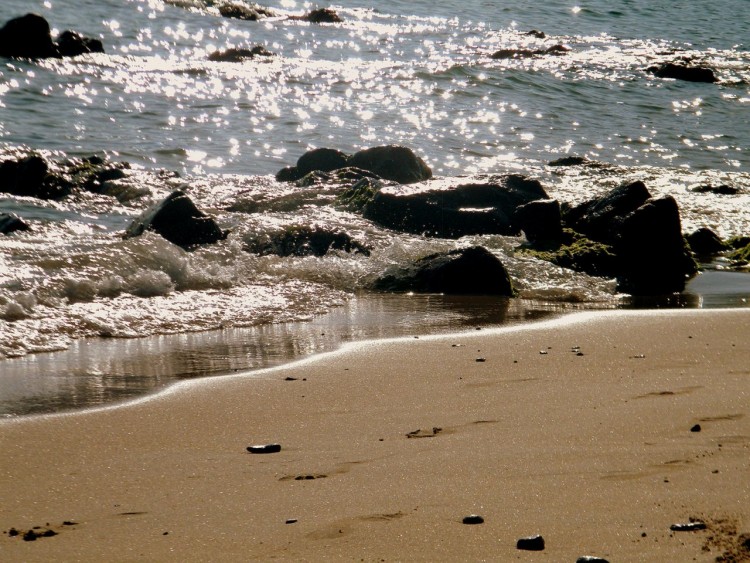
(29, 37)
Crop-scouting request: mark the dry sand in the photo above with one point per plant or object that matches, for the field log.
(590, 447)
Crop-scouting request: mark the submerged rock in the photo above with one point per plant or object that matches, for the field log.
(527, 53)
(684, 72)
(577, 253)
(178, 220)
(10, 223)
(306, 241)
(72, 44)
(245, 12)
(237, 55)
(320, 15)
(467, 209)
(569, 161)
(466, 271)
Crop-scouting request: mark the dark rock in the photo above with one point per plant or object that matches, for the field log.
(540, 220)
(322, 159)
(244, 12)
(306, 241)
(9, 223)
(741, 255)
(688, 527)
(472, 519)
(705, 242)
(590, 559)
(653, 257)
(290, 521)
(322, 15)
(527, 53)
(27, 37)
(569, 161)
(237, 55)
(392, 162)
(31, 177)
(13, 532)
(467, 271)
(722, 189)
(30, 535)
(468, 209)
(72, 44)
(288, 174)
(695, 428)
(536, 33)
(264, 449)
(601, 217)
(684, 72)
(531, 543)
(177, 219)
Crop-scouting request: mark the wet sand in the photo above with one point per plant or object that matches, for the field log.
(583, 430)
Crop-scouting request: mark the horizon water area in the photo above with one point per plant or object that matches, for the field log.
(88, 318)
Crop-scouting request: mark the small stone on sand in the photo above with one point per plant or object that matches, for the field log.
(531, 543)
(473, 519)
(264, 449)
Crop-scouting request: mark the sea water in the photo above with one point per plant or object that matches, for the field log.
(416, 73)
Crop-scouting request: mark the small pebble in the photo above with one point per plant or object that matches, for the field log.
(291, 521)
(590, 559)
(531, 543)
(696, 428)
(543, 352)
(481, 359)
(264, 449)
(473, 519)
(688, 527)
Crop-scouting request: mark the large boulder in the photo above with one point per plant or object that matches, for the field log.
(392, 162)
(30, 176)
(321, 159)
(178, 220)
(301, 240)
(10, 223)
(599, 219)
(27, 37)
(653, 257)
(684, 72)
(468, 209)
(467, 271)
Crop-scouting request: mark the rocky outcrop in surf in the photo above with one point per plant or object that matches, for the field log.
(239, 54)
(29, 37)
(302, 240)
(684, 71)
(466, 271)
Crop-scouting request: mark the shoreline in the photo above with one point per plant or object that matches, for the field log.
(578, 429)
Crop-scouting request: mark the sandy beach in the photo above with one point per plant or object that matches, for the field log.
(597, 431)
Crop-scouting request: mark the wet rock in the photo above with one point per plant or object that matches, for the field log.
(531, 543)
(322, 159)
(528, 53)
(237, 55)
(245, 12)
(536, 33)
(688, 527)
(695, 428)
(306, 241)
(466, 271)
(472, 519)
(10, 223)
(686, 72)
(392, 162)
(705, 242)
(540, 221)
(652, 255)
(27, 36)
(741, 254)
(177, 219)
(590, 559)
(722, 189)
(466, 209)
(30, 176)
(600, 218)
(569, 161)
(72, 44)
(264, 449)
(320, 15)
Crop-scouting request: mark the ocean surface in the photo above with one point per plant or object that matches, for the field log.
(88, 318)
